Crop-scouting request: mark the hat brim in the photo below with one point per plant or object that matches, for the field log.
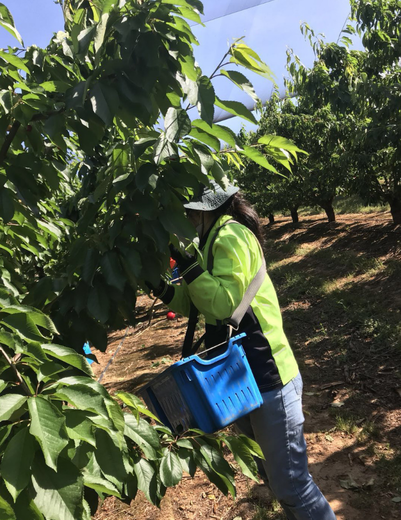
(210, 199)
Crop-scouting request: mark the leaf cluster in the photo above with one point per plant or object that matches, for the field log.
(65, 442)
(97, 154)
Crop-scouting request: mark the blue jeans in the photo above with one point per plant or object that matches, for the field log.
(278, 428)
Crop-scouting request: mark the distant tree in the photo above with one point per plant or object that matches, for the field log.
(319, 174)
(365, 86)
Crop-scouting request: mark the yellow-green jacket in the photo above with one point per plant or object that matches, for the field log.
(237, 257)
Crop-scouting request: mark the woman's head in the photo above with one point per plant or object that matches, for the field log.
(204, 209)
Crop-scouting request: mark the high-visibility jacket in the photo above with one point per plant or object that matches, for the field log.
(237, 257)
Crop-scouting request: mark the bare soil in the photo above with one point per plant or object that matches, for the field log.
(346, 340)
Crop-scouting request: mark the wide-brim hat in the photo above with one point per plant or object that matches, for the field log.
(211, 198)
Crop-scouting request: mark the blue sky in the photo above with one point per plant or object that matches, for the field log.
(269, 28)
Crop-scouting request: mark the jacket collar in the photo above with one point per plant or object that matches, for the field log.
(217, 223)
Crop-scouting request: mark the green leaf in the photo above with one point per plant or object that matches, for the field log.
(100, 485)
(100, 104)
(55, 86)
(6, 100)
(253, 446)
(112, 271)
(243, 456)
(218, 464)
(206, 138)
(11, 403)
(90, 266)
(177, 124)
(25, 507)
(5, 432)
(3, 385)
(190, 14)
(147, 175)
(177, 223)
(50, 228)
(36, 316)
(190, 4)
(108, 5)
(187, 460)
(100, 34)
(188, 67)
(255, 155)
(243, 55)
(6, 511)
(58, 495)
(237, 109)
(84, 380)
(221, 132)
(14, 60)
(83, 398)
(164, 149)
(115, 413)
(275, 141)
(99, 303)
(185, 443)
(24, 324)
(135, 404)
(48, 370)
(170, 469)
(6, 338)
(7, 22)
(16, 464)
(214, 477)
(241, 81)
(6, 204)
(69, 356)
(206, 99)
(48, 426)
(147, 481)
(79, 427)
(109, 458)
(143, 435)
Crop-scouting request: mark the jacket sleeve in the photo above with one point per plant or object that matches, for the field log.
(176, 297)
(236, 259)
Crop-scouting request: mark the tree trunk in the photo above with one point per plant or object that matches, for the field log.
(395, 208)
(271, 218)
(328, 208)
(294, 215)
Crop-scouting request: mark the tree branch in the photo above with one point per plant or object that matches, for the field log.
(17, 374)
(8, 140)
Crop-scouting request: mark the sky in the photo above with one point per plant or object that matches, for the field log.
(270, 28)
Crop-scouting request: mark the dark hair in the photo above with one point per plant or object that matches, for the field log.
(242, 211)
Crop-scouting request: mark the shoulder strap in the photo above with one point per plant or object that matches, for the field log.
(249, 295)
(210, 252)
(252, 289)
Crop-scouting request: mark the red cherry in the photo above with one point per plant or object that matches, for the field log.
(170, 315)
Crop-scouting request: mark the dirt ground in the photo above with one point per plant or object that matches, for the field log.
(352, 384)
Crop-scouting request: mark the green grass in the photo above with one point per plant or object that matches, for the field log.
(391, 468)
(344, 204)
(273, 512)
(346, 423)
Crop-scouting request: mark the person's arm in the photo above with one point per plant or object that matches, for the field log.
(175, 296)
(236, 260)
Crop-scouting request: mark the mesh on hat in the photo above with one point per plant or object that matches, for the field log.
(211, 198)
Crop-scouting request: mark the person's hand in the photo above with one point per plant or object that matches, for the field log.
(156, 290)
(183, 260)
